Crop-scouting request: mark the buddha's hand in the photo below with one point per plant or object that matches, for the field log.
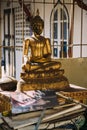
(26, 59)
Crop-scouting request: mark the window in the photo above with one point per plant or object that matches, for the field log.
(22, 31)
(12, 52)
(59, 31)
(8, 52)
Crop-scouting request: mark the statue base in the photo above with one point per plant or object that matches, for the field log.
(44, 84)
(43, 77)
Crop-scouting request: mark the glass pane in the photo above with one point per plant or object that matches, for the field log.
(63, 15)
(55, 42)
(55, 16)
(65, 46)
(63, 52)
(63, 31)
(55, 31)
(6, 24)
(55, 52)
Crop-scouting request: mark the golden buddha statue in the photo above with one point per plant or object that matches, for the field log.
(39, 45)
(39, 71)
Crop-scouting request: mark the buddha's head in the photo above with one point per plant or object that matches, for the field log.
(37, 24)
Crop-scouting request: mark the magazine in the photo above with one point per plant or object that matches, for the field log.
(33, 100)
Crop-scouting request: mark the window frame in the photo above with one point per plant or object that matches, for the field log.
(59, 40)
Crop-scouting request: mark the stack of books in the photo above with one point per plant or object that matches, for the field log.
(36, 110)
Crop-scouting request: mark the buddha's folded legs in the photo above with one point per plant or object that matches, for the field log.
(41, 66)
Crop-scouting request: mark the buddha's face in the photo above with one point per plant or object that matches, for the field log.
(38, 28)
